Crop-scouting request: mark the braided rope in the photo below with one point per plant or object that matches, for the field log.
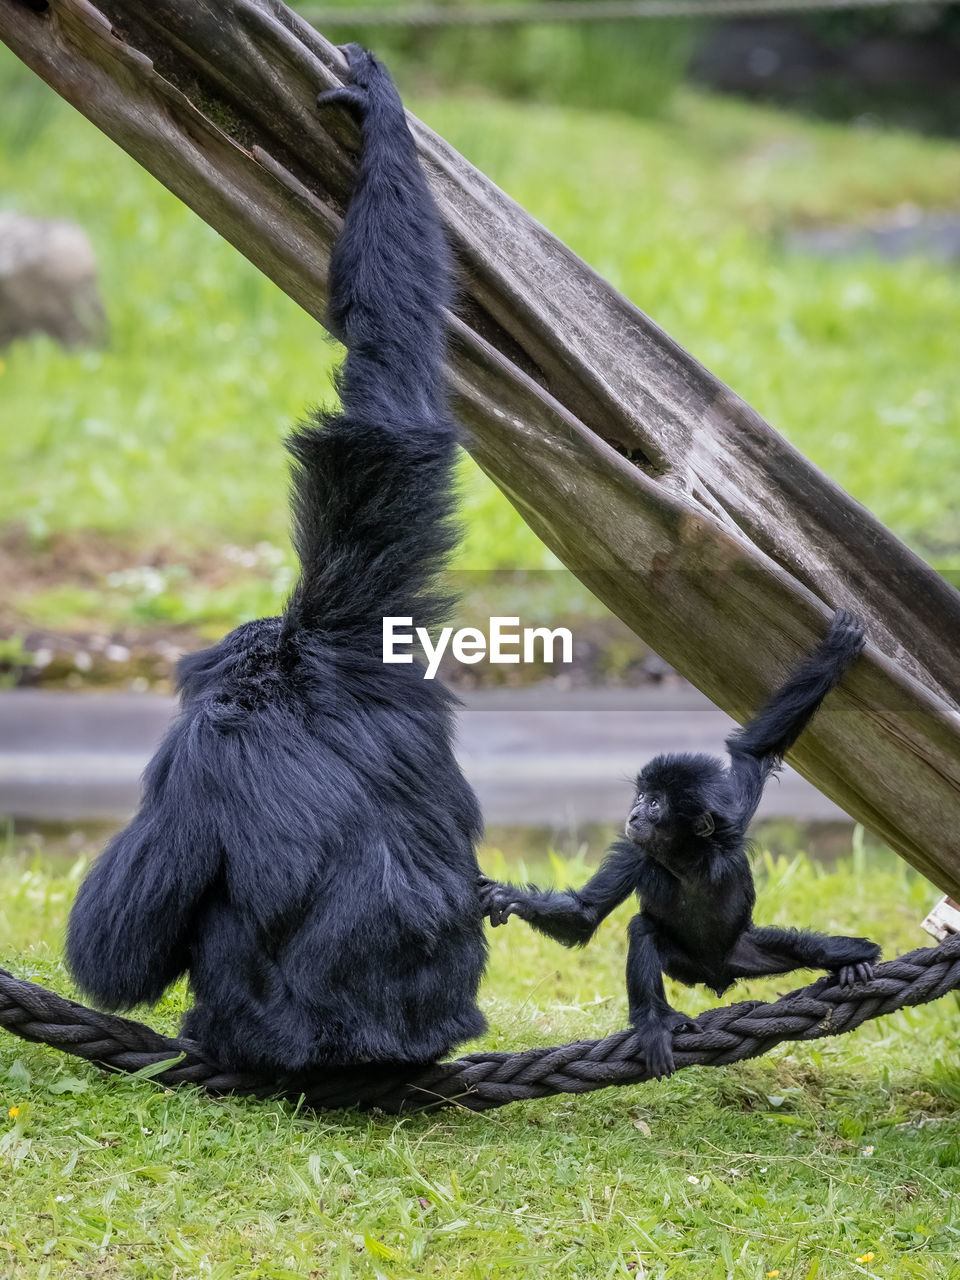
(488, 1079)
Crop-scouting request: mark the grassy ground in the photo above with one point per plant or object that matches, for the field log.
(830, 1159)
(142, 485)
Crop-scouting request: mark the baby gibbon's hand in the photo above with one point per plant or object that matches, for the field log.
(499, 901)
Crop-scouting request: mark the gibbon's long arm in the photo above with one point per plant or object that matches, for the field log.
(758, 748)
(570, 916)
(128, 932)
(372, 491)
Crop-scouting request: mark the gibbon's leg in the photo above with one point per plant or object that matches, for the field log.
(650, 1013)
(763, 951)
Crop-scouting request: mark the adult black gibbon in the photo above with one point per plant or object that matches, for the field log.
(305, 845)
(684, 854)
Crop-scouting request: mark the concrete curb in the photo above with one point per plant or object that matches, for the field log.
(535, 756)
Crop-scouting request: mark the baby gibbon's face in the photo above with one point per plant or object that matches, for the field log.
(648, 816)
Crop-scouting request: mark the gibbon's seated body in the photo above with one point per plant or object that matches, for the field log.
(683, 853)
(305, 842)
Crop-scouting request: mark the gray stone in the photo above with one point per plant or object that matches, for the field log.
(48, 282)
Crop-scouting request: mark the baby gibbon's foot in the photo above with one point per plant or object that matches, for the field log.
(857, 963)
(657, 1043)
(851, 974)
(655, 1032)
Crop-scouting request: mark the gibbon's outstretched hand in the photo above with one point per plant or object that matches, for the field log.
(305, 842)
(683, 854)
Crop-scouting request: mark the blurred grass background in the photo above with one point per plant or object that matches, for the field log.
(163, 450)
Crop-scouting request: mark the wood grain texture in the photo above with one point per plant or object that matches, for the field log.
(673, 500)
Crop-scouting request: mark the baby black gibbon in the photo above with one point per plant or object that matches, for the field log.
(683, 853)
(305, 842)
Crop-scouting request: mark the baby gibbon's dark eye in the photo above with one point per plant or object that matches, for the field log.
(653, 806)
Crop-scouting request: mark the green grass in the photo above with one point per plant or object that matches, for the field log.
(168, 441)
(802, 1162)
(622, 66)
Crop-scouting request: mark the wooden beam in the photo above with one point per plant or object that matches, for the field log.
(686, 513)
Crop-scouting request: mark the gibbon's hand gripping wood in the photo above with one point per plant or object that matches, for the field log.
(664, 492)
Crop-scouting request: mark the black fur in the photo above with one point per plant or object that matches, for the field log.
(683, 853)
(305, 844)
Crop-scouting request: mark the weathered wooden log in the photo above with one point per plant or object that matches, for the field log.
(688, 515)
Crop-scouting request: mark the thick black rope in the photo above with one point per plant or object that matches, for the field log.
(489, 1079)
